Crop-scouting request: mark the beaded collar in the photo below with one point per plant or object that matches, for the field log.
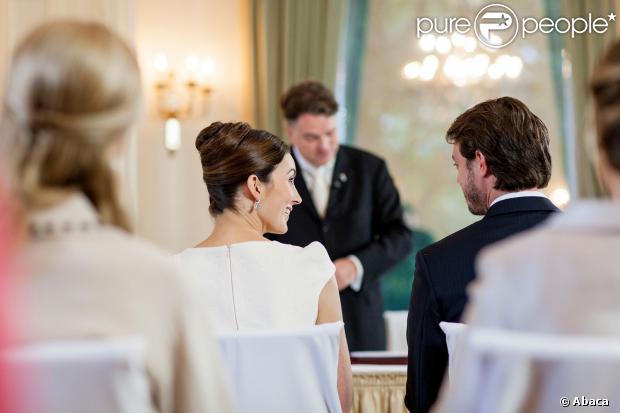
(73, 216)
(50, 229)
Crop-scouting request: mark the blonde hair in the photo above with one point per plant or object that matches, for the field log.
(74, 89)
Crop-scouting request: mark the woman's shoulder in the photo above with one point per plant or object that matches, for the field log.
(313, 250)
(316, 251)
(313, 257)
(197, 261)
(111, 257)
(118, 248)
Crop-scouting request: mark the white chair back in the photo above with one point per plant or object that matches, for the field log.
(284, 370)
(95, 376)
(506, 371)
(396, 330)
(453, 332)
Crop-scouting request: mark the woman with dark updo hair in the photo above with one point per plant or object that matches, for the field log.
(250, 282)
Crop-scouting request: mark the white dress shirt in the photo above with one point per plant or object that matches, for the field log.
(325, 173)
(317, 177)
(519, 194)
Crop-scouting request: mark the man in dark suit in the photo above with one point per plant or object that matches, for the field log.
(350, 204)
(500, 150)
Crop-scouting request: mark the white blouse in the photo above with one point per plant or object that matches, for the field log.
(561, 277)
(81, 279)
(259, 284)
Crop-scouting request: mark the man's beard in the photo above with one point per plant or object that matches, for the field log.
(474, 198)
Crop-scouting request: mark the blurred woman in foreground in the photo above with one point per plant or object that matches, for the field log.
(72, 97)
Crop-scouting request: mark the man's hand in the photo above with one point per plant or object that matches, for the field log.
(346, 272)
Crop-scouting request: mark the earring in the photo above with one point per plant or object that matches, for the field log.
(256, 205)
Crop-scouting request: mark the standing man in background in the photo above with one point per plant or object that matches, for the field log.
(349, 204)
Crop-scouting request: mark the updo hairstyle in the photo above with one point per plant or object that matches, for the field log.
(230, 153)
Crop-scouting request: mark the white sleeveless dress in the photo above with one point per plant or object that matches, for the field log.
(259, 285)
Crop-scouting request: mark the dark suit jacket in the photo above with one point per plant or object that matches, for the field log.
(363, 218)
(443, 271)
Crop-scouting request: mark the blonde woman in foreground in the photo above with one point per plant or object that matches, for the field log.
(73, 95)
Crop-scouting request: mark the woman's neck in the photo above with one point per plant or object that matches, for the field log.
(231, 228)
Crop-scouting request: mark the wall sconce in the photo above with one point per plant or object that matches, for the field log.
(181, 97)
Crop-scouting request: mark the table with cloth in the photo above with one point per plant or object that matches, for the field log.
(378, 388)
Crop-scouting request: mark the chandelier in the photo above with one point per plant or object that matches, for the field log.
(455, 60)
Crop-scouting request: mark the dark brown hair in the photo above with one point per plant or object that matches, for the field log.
(308, 97)
(230, 153)
(514, 142)
(605, 87)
